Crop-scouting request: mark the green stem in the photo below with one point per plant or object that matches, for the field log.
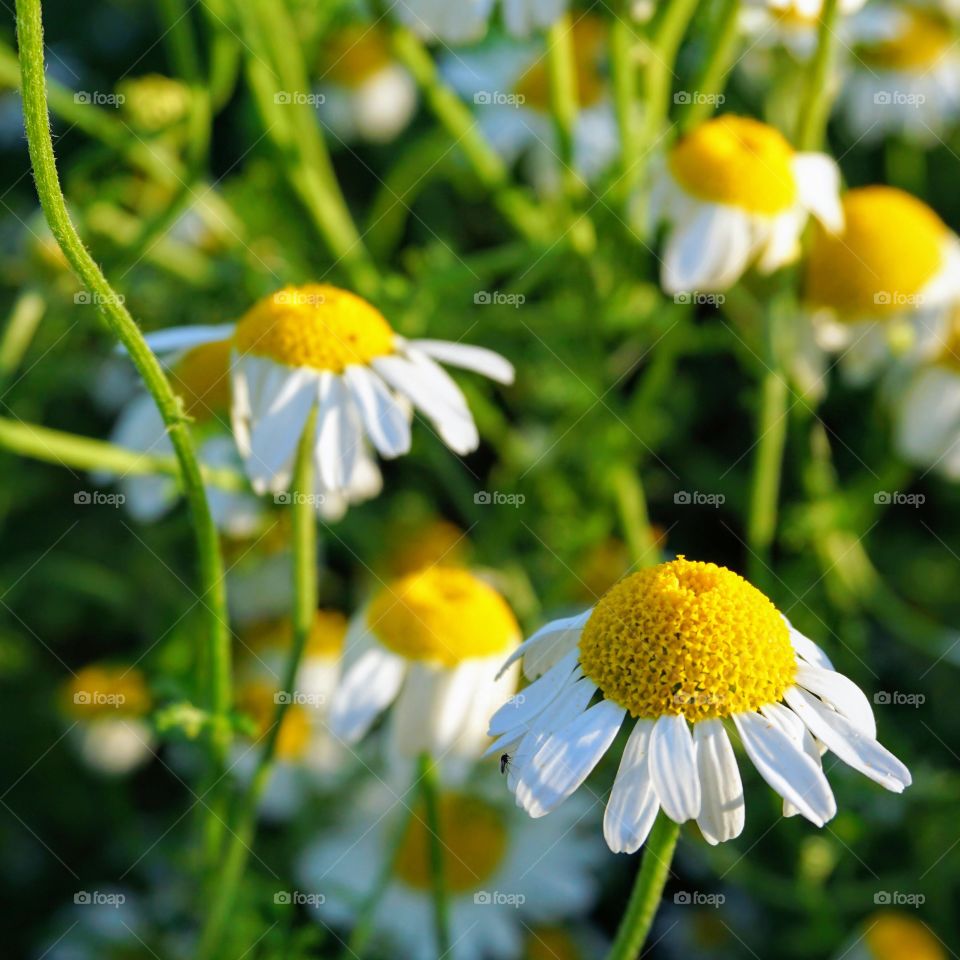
(234, 860)
(632, 506)
(624, 80)
(647, 890)
(716, 66)
(28, 310)
(815, 106)
(113, 311)
(564, 96)
(83, 453)
(431, 804)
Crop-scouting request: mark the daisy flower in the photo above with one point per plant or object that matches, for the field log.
(905, 75)
(200, 377)
(319, 348)
(501, 875)
(509, 84)
(894, 935)
(787, 23)
(883, 285)
(366, 94)
(735, 193)
(108, 706)
(467, 20)
(690, 651)
(431, 641)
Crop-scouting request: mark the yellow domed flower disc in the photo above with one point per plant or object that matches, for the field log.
(354, 54)
(897, 936)
(102, 690)
(919, 46)
(444, 615)
(474, 844)
(258, 699)
(589, 35)
(201, 378)
(687, 638)
(891, 248)
(315, 325)
(738, 162)
(551, 943)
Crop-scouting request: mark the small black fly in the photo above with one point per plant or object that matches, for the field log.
(504, 762)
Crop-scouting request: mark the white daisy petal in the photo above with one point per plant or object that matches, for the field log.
(367, 687)
(807, 649)
(184, 338)
(338, 439)
(547, 645)
(786, 768)
(851, 745)
(818, 184)
(709, 251)
(841, 693)
(722, 807)
(793, 727)
(567, 757)
(633, 804)
(477, 359)
(524, 706)
(673, 768)
(385, 422)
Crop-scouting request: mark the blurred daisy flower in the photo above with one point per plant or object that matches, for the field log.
(423, 544)
(431, 641)
(501, 875)
(683, 647)
(884, 285)
(200, 377)
(153, 102)
(509, 84)
(466, 20)
(107, 705)
(892, 935)
(787, 23)
(317, 348)
(735, 194)
(366, 94)
(905, 74)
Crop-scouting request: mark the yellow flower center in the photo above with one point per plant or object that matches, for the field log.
(924, 40)
(442, 614)
(551, 943)
(100, 690)
(891, 248)
(315, 325)
(326, 634)
(792, 19)
(474, 843)
(739, 162)
(687, 638)
(257, 698)
(589, 35)
(354, 54)
(436, 542)
(201, 378)
(895, 936)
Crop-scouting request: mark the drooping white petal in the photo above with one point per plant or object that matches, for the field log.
(383, 419)
(841, 693)
(633, 803)
(176, 339)
(673, 768)
(807, 649)
(709, 251)
(789, 771)
(542, 649)
(338, 439)
(794, 728)
(928, 416)
(367, 687)
(468, 357)
(851, 745)
(782, 244)
(818, 185)
(521, 708)
(566, 758)
(722, 807)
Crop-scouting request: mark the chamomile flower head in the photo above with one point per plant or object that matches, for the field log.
(319, 350)
(431, 641)
(366, 94)
(894, 935)
(503, 874)
(107, 706)
(509, 85)
(688, 651)
(905, 76)
(736, 194)
(467, 20)
(790, 24)
(200, 377)
(884, 284)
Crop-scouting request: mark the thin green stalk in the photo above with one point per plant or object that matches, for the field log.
(634, 518)
(564, 96)
(623, 70)
(115, 314)
(28, 310)
(431, 804)
(818, 94)
(83, 453)
(716, 66)
(243, 826)
(647, 890)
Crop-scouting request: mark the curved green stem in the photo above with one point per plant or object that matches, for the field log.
(431, 805)
(564, 96)
(815, 106)
(243, 828)
(647, 890)
(113, 311)
(716, 66)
